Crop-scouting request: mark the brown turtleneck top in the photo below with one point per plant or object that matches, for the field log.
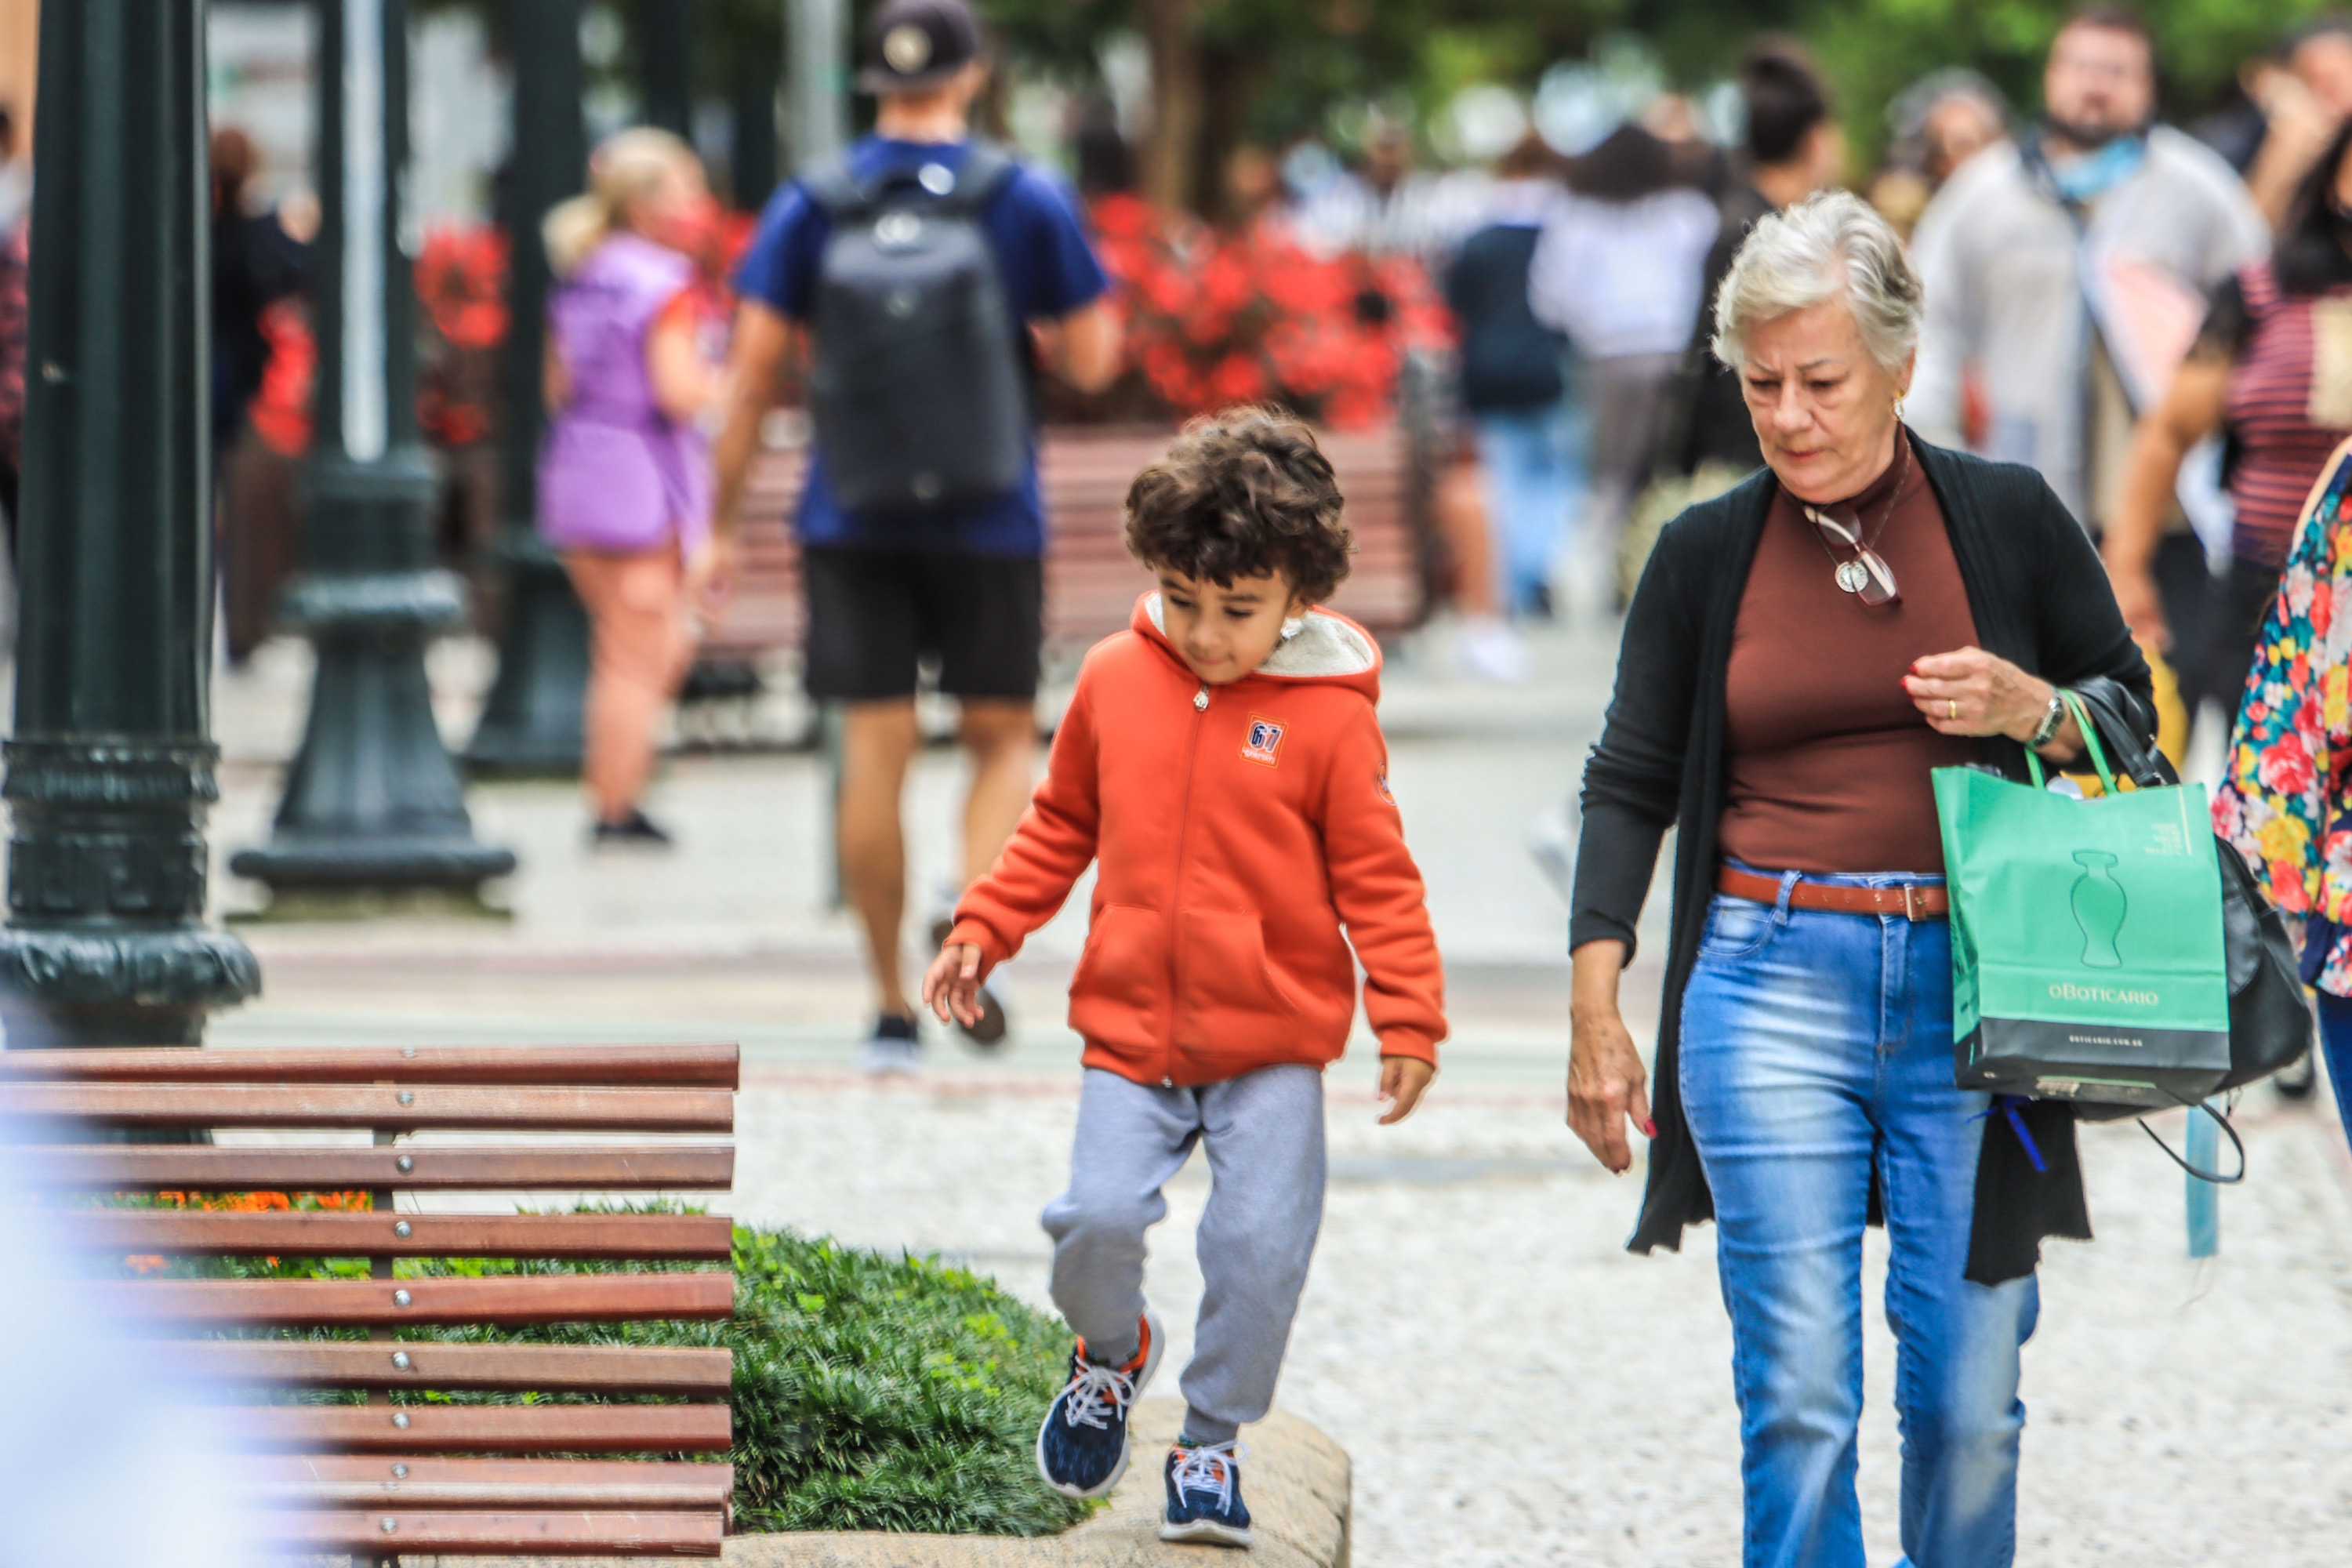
(1828, 756)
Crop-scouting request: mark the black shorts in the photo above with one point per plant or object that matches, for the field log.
(874, 615)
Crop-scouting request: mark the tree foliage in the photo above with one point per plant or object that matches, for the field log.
(1305, 58)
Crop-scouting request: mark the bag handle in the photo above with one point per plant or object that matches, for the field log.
(2227, 1132)
(2089, 743)
(2134, 757)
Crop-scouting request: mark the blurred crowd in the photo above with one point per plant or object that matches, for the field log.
(1540, 300)
(2076, 263)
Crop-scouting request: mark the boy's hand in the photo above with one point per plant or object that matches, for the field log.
(951, 985)
(1402, 1081)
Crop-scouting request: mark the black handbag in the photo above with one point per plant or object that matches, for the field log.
(2270, 1017)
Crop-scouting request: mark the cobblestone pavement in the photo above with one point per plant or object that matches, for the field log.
(1513, 1386)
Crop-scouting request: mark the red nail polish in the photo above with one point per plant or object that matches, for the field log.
(1649, 1129)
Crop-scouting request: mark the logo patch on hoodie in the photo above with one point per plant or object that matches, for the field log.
(1263, 743)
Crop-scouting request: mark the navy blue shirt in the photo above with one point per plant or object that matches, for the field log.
(1049, 269)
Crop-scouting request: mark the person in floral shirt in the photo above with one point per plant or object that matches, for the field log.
(2287, 800)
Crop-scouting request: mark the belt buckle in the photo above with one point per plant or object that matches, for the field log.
(1914, 902)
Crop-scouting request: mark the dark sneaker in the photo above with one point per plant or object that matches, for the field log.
(896, 1046)
(1082, 1447)
(1204, 1496)
(989, 1032)
(636, 828)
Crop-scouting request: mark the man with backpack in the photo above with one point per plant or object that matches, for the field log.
(930, 270)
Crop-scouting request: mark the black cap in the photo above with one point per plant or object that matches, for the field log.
(912, 44)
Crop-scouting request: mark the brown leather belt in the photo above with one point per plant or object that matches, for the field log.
(1912, 901)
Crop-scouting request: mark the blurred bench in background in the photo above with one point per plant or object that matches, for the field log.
(1091, 581)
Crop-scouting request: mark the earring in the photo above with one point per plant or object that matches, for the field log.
(1291, 626)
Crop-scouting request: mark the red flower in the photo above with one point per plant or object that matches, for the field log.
(1165, 290)
(460, 278)
(1226, 283)
(1207, 326)
(1238, 378)
(1119, 216)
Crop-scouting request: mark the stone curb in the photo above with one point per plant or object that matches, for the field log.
(1295, 1480)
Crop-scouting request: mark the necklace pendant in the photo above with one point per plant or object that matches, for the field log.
(1853, 576)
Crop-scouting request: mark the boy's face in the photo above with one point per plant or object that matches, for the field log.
(1225, 631)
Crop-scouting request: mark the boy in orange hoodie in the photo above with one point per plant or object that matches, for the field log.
(1223, 762)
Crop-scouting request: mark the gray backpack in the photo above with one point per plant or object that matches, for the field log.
(919, 385)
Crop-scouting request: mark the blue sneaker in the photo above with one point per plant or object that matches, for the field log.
(1204, 1496)
(1082, 1447)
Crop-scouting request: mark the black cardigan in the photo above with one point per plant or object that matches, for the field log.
(2040, 599)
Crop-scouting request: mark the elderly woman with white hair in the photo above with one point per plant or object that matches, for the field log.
(1802, 651)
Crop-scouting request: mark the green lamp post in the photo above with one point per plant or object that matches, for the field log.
(110, 771)
(666, 33)
(531, 721)
(374, 808)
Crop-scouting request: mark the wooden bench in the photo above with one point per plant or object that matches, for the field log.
(398, 1475)
(1091, 581)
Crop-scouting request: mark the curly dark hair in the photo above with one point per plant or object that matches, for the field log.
(1243, 493)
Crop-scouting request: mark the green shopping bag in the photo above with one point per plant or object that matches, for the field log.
(2086, 938)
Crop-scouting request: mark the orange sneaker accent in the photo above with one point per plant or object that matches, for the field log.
(1142, 1347)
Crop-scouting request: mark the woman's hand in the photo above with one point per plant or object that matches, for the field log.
(2142, 605)
(1972, 693)
(1607, 1084)
(710, 573)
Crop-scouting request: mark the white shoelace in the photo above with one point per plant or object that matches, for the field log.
(1208, 1468)
(1095, 1391)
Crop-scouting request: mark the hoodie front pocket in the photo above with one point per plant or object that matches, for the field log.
(1229, 1001)
(1120, 988)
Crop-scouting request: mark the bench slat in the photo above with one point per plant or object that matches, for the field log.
(487, 1428)
(300, 1234)
(424, 1533)
(546, 1368)
(687, 1065)
(376, 1106)
(348, 1303)
(346, 1480)
(107, 1167)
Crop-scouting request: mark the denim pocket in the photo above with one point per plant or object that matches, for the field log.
(1736, 929)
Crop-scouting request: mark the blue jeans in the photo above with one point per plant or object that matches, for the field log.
(1817, 1053)
(2336, 1040)
(1534, 470)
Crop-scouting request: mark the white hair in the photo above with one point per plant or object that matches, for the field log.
(1828, 246)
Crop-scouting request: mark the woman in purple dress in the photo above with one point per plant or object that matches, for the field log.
(624, 475)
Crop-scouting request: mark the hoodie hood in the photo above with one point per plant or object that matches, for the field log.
(1328, 647)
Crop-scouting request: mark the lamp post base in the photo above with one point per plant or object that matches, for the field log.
(373, 802)
(531, 721)
(118, 987)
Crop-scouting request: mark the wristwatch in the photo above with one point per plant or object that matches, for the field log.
(2051, 717)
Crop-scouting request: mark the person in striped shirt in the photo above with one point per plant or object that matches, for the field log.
(2272, 365)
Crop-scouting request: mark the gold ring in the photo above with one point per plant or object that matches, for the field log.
(1954, 704)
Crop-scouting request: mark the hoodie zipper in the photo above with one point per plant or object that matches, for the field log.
(1176, 886)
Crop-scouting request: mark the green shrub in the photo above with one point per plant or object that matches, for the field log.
(880, 1393)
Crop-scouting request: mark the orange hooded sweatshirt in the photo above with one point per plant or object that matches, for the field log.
(1239, 827)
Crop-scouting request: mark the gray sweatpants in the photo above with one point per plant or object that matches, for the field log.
(1264, 1134)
